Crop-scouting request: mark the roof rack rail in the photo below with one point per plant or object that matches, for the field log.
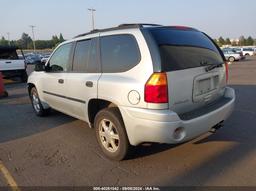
(122, 26)
(140, 25)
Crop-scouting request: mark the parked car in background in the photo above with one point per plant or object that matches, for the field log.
(137, 83)
(231, 55)
(32, 58)
(45, 58)
(238, 50)
(248, 51)
(10, 63)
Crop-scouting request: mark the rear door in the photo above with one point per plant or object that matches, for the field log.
(82, 81)
(185, 55)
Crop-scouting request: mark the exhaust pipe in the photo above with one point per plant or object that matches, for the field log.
(217, 127)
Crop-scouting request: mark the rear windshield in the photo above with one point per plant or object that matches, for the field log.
(8, 54)
(183, 49)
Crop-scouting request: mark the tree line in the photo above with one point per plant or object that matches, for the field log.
(242, 41)
(26, 42)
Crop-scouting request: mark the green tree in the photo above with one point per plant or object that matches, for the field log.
(61, 39)
(44, 44)
(241, 41)
(3, 42)
(25, 41)
(249, 41)
(221, 41)
(55, 40)
(227, 41)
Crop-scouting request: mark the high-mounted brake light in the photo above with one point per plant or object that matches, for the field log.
(226, 68)
(156, 88)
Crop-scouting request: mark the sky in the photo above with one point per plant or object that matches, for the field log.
(226, 18)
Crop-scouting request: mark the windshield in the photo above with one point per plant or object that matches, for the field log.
(183, 49)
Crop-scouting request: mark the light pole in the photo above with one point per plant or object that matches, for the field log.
(92, 11)
(34, 44)
(8, 35)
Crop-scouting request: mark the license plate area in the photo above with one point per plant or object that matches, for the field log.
(205, 87)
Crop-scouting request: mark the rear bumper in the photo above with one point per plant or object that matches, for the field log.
(144, 125)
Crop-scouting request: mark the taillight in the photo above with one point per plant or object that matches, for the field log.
(156, 88)
(226, 68)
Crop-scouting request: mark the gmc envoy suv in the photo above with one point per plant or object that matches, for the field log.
(137, 83)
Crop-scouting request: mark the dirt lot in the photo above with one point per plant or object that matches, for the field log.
(62, 151)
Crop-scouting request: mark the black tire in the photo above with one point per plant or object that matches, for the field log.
(37, 105)
(6, 94)
(113, 115)
(231, 59)
(24, 76)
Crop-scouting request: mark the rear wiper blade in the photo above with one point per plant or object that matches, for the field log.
(213, 66)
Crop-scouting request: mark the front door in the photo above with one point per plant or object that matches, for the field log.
(53, 81)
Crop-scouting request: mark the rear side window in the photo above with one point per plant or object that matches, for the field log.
(8, 54)
(119, 53)
(183, 49)
(85, 57)
(248, 49)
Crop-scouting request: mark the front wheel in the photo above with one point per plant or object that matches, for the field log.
(111, 134)
(36, 103)
(231, 59)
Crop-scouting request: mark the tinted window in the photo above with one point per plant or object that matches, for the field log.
(85, 57)
(182, 49)
(81, 57)
(61, 58)
(8, 54)
(248, 49)
(119, 53)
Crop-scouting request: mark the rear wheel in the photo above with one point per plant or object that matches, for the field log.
(36, 103)
(231, 59)
(111, 134)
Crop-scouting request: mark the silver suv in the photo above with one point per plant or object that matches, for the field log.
(137, 83)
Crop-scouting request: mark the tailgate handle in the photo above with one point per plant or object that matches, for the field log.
(9, 62)
(60, 81)
(89, 84)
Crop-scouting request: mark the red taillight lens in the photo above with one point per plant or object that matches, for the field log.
(226, 68)
(156, 89)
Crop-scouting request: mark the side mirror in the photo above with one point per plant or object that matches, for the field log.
(43, 61)
(39, 67)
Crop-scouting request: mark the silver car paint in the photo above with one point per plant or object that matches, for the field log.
(144, 122)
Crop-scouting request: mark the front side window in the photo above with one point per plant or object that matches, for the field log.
(119, 53)
(59, 61)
